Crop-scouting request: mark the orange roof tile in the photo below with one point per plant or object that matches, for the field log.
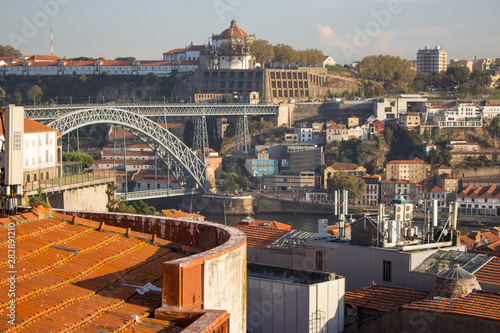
(416, 160)
(260, 237)
(479, 304)
(344, 166)
(383, 298)
(31, 126)
(74, 277)
(489, 273)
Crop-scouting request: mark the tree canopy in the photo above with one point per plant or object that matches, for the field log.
(284, 53)
(9, 51)
(76, 156)
(34, 92)
(230, 181)
(343, 181)
(262, 51)
(394, 73)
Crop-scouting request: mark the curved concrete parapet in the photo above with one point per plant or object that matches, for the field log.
(214, 277)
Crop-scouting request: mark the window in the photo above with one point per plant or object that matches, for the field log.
(46, 139)
(319, 261)
(387, 271)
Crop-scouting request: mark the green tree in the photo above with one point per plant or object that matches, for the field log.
(343, 181)
(124, 208)
(143, 208)
(9, 51)
(395, 73)
(495, 126)
(262, 51)
(34, 92)
(229, 50)
(125, 58)
(284, 53)
(76, 156)
(457, 74)
(38, 199)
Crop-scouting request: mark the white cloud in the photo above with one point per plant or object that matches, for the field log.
(358, 44)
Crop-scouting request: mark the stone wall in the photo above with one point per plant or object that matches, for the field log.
(92, 198)
(476, 172)
(272, 205)
(338, 112)
(213, 204)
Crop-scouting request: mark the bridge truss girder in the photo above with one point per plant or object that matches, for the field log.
(167, 110)
(146, 129)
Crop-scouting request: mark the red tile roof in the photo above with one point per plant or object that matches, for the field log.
(31, 126)
(175, 51)
(76, 278)
(433, 188)
(479, 304)
(489, 273)
(260, 237)
(344, 166)
(480, 192)
(416, 160)
(268, 224)
(383, 298)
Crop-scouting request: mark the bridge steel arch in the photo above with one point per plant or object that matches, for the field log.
(146, 129)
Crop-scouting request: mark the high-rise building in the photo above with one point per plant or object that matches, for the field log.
(432, 60)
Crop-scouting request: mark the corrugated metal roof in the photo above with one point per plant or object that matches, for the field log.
(293, 241)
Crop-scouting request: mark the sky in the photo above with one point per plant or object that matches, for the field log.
(348, 30)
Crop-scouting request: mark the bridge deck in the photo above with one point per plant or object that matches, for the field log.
(57, 111)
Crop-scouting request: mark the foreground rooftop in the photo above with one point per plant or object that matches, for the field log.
(71, 276)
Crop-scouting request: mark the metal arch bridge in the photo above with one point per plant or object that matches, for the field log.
(134, 117)
(147, 110)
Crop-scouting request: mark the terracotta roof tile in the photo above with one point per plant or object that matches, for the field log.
(489, 273)
(383, 298)
(479, 304)
(74, 278)
(260, 237)
(416, 160)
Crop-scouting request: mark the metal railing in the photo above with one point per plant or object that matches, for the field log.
(69, 181)
(151, 194)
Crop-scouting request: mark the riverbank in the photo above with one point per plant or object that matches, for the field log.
(249, 205)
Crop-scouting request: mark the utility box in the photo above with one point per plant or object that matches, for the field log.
(14, 133)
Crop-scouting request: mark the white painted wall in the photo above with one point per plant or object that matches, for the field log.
(225, 280)
(284, 307)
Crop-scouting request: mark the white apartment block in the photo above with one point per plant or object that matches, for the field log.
(42, 152)
(432, 60)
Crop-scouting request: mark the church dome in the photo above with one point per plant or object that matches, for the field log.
(454, 283)
(233, 31)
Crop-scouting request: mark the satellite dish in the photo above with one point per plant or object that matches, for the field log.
(486, 240)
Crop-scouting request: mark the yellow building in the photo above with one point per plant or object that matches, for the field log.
(415, 170)
(411, 120)
(352, 121)
(349, 168)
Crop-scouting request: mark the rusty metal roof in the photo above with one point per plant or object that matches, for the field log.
(74, 278)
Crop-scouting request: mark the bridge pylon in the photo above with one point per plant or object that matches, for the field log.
(200, 137)
(242, 138)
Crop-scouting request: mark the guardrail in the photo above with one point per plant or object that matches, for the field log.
(69, 181)
(139, 195)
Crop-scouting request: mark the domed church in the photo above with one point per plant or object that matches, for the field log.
(236, 55)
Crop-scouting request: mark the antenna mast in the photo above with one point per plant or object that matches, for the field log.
(51, 42)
